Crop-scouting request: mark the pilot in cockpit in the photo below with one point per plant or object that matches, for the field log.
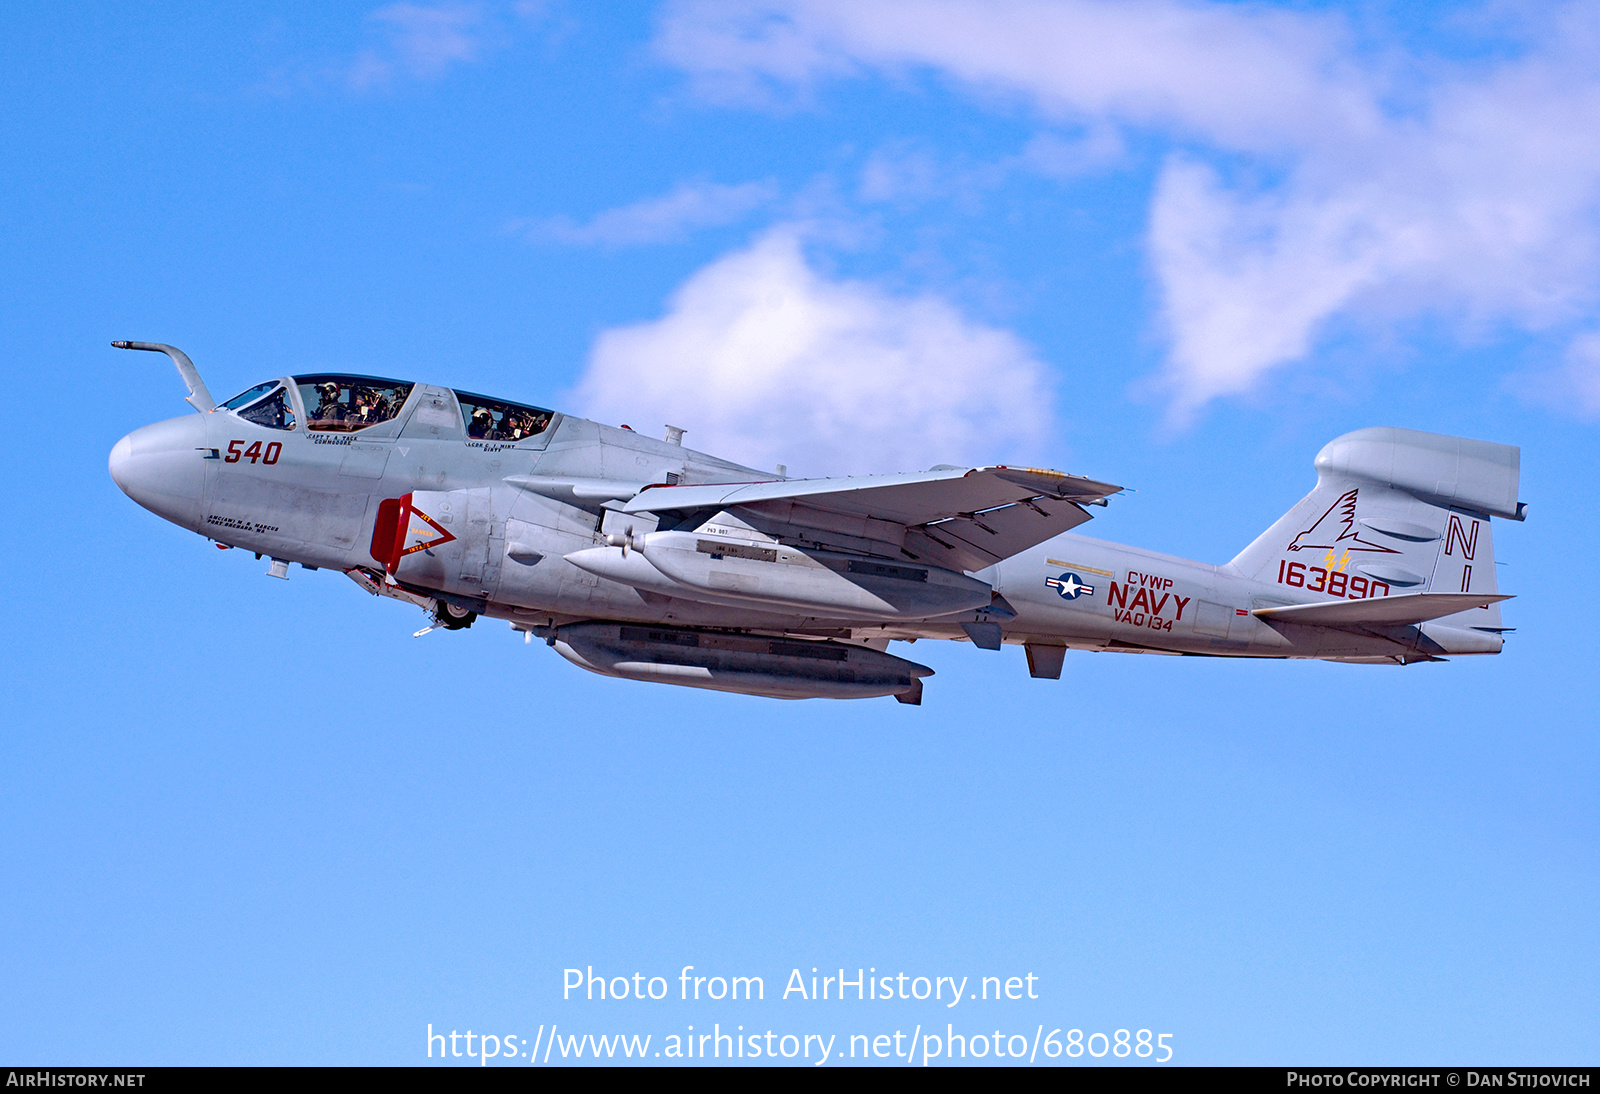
(328, 408)
(482, 424)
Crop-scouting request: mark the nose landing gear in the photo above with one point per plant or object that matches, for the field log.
(451, 617)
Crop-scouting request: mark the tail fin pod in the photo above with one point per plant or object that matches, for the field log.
(1394, 510)
(1448, 472)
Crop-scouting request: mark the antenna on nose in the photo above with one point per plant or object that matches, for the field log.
(199, 397)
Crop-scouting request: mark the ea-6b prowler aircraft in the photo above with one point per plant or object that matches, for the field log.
(644, 559)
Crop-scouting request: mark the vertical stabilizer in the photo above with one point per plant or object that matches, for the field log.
(1394, 511)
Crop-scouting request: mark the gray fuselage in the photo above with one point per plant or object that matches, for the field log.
(314, 497)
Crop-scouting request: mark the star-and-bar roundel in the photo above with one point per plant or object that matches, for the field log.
(1069, 585)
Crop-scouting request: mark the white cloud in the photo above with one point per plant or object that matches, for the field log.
(421, 41)
(1304, 195)
(765, 360)
(1096, 150)
(409, 41)
(903, 173)
(898, 174)
(1247, 76)
(1572, 387)
(1582, 374)
(658, 220)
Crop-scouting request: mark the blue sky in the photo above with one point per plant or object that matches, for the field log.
(1174, 246)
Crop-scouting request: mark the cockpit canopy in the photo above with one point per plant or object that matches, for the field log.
(489, 419)
(338, 403)
(344, 404)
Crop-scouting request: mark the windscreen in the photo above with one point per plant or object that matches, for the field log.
(245, 398)
(265, 404)
(274, 411)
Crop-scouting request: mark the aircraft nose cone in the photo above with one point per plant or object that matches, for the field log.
(121, 454)
(161, 467)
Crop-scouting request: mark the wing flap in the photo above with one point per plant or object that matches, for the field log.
(976, 540)
(1390, 611)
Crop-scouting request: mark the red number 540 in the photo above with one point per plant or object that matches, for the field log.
(254, 452)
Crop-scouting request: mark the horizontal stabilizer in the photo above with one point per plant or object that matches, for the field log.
(1387, 611)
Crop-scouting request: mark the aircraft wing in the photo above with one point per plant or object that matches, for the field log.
(961, 518)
